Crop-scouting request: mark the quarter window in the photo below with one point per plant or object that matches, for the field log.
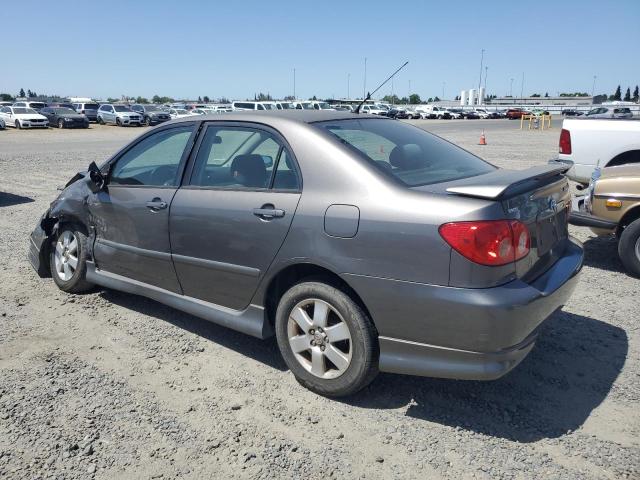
(154, 161)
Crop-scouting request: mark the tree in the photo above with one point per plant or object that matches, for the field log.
(289, 97)
(159, 99)
(22, 94)
(141, 100)
(393, 99)
(199, 99)
(618, 94)
(598, 99)
(29, 94)
(414, 99)
(627, 95)
(5, 97)
(546, 94)
(112, 100)
(436, 99)
(206, 99)
(535, 95)
(636, 95)
(430, 100)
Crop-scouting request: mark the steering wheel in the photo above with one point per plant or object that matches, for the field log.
(164, 175)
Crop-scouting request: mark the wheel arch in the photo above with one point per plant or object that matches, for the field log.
(624, 158)
(295, 273)
(630, 216)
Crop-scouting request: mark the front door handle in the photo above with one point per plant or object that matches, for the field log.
(156, 205)
(267, 213)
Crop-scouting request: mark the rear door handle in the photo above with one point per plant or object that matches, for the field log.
(268, 213)
(156, 204)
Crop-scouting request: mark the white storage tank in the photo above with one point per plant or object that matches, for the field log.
(481, 96)
(463, 98)
(472, 97)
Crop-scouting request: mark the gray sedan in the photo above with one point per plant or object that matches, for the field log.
(362, 243)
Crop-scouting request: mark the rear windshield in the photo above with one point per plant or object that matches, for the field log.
(408, 153)
(22, 110)
(37, 105)
(90, 106)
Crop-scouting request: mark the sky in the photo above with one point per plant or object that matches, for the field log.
(235, 49)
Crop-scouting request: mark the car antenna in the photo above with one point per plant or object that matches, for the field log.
(357, 110)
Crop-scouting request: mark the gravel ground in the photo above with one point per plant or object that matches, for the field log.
(109, 385)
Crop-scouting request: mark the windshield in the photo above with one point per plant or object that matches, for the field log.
(18, 111)
(151, 108)
(307, 106)
(37, 105)
(90, 106)
(121, 108)
(269, 106)
(405, 152)
(286, 106)
(180, 111)
(64, 111)
(325, 106)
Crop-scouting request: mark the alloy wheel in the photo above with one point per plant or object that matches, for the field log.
(319, 338)
(638, 248)
(66, 255)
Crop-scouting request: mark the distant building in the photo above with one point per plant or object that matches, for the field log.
(541, 101)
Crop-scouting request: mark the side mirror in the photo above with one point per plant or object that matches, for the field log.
(96, 180)
(268, 161)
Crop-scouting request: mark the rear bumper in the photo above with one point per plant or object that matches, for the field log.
(474, 334)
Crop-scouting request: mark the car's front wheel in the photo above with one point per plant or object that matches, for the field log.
(629, 248)
(326, 339)
(61, 123)
(147, 121)
(118, 122)
(68, 260)
(17, 124)
(100, 121)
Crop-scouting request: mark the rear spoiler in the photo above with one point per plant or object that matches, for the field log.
(502, 183)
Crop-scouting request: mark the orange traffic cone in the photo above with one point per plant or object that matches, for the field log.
(483, 139)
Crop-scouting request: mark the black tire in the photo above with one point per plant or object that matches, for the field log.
(61, 124)
(77, 283)
(629, 248)
(363, 366)
(118, 122)
(17, 124)
(147, 121)
(100, 121)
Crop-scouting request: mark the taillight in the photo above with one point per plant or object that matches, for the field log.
(565, 142)
(489, 242)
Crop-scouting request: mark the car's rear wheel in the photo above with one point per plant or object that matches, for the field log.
(60, 123)
(629, 248)
(326, 339)
(68, 260)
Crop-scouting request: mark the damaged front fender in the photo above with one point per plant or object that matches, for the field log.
(69, 207)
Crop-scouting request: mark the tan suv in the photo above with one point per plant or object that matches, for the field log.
(612, 206)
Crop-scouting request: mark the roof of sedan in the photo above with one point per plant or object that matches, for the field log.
(302, 116)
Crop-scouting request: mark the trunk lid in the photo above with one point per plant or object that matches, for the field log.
(539, 197)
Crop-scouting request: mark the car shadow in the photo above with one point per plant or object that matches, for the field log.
(568, 374)
(264, 351)
(9, 199)
(602, 253)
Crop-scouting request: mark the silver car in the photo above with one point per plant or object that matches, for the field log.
(363, 244)
(120, 115)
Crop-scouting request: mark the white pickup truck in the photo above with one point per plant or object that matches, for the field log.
(587, 144)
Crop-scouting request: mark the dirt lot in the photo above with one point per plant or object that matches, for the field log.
(109, 385)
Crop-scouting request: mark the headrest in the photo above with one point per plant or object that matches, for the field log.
(250, 171)
(407, 157)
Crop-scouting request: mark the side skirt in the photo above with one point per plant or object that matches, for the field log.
(252, 320)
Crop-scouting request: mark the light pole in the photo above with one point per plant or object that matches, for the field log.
(443, 84)
(294, 84)
(409, 94)
(348, 85)
(522, 88)
(593, 87)
(364, 88)
(511, 89)
(486, 70)
(480, 79)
